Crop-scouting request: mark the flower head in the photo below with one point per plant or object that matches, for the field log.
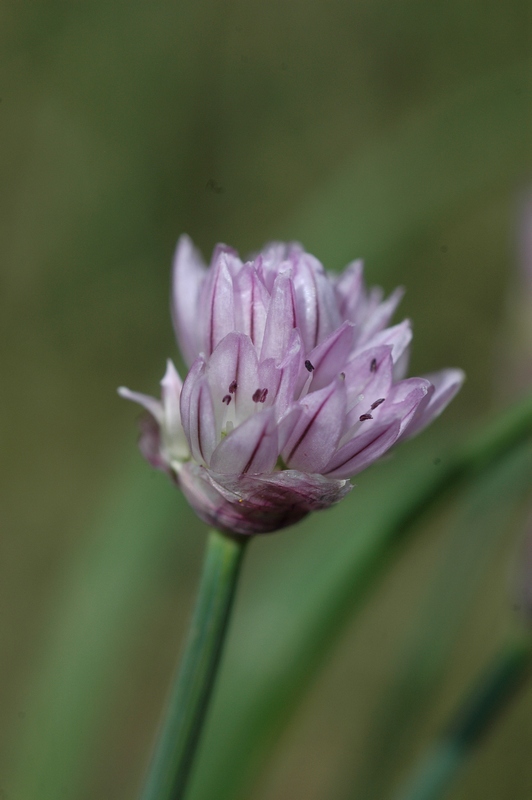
(296, 383)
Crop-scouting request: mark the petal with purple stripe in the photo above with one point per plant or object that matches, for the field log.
(251, 304)
(217, 304)
(363, 450)
(329, 358)
(281, 319)
(232, 370)
(249, 448)
(316, 433)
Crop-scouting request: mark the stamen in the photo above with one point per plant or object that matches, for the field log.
(377, 403)
(373, 365)
(364, 417)
(233, 387)
(309, 365)
(259, 395)
(226, 399)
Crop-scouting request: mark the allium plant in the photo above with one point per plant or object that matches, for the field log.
(296, 384)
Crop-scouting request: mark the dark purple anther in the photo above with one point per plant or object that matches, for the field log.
(259, 395)
(377, 403)
(373, 365)
(226, 399)
(364, 417)
(233, 387)
(309, 365)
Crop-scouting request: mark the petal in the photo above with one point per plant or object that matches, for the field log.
(363, 450)
(368, 378)
(292, 374)
(173, 436)
(249, 448)
(381, 315)
(349, 290)
(398, 337)
(171, 386)
(216, 303)
(273, 259)
(197, 413)
(197, 369)
(188, 275)
(317, 431)
(150, 444)
(281, 319)
(155, 407)
(288, 487)
(447, 384)
(317, 313)
(330, 357)
(403, 401)
(251, 305)
(233, 369)
(253, 504)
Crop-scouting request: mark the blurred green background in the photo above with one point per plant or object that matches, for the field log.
(394, 131)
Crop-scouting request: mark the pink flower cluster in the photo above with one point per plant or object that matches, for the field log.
(296, 383)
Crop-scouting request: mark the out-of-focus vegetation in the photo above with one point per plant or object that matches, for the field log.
(395, 131)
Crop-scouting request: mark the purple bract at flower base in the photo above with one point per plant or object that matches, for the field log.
(296, 384)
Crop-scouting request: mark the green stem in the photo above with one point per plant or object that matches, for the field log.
(489, 697)
(191, 692)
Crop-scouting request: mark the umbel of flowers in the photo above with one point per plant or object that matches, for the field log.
(296, 383)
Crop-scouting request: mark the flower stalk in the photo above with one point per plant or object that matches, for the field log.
(192, 689)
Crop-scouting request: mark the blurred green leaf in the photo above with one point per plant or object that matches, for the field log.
(92, 625)
(478, 523)
(493, 691)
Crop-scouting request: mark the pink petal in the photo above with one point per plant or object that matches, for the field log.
(150, 444)
(380, 316)
(363, 450)
(403, 400)
(398, 337)
(329, 358)
(317, 313)
(155, 407)
(202, 426)
(447, 384)
(251, 305)
(281, 319)
(253, 504)
(292, 374)
(233, 370)
(171, 393)
(188, 275)
(316, 433)
(216, 304)
(197, 413)
(349, 289)
(368, 378)
(250, 448)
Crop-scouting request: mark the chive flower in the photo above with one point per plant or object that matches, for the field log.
(296, 383)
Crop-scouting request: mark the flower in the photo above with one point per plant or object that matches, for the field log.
(296, 383)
